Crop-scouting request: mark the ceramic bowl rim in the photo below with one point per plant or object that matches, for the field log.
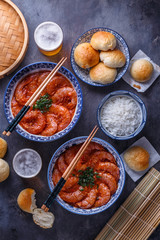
(137, 99)
(51, 166)
(98, 84)
(35, 137)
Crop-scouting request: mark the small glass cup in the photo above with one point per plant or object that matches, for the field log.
(27, 163)
(48, 37)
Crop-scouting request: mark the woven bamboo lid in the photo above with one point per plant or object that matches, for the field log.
(13, 37)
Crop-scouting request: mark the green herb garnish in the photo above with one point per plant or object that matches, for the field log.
(43, 104)
(86, 177)
(98, 176)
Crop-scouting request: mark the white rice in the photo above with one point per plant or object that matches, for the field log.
(121, 116)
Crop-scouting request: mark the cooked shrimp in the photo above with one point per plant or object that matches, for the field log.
(101, 156)
(71, 181)
(109, 167)
(92, 147)
(95, 146)
(51, 126)
(15, 107)
(90, 185)
(61, 115)
(42, 77)
(104, 195)
(56, 83)
(34, 122)
(72, 111)
(80, 166)
(26, 88)
(32, 86)
(109, 180)
(62, 166)
(56, 176)
(73, 197)
(89, 200)
(71, 153)
(66, 97)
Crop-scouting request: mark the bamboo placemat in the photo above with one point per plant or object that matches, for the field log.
(13, 37)
(139, 215)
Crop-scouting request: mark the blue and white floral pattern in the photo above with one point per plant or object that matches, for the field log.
(139, 102)
(34, 68)
(83, 74)
(121, 182)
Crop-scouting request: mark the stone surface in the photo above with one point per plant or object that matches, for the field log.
(138, 22)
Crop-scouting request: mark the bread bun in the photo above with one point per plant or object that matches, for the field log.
(26, 200)
(102, 74)
(113, 59)
(137, 158)
(85, 56)
(4, 170)
(42, 218)
(103, 41)
(3, 147)
(141, 70)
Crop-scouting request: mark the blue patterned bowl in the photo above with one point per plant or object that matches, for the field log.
(83, 74)
(34, 67)
(139, 102)
(114, 197)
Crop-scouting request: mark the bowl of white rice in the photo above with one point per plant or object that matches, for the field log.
(121, 115)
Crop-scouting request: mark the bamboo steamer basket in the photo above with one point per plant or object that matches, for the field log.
(14, 37)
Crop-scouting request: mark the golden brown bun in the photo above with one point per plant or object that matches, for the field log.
(85, 56)
(103, 41)
(102, 74)
(26, 200)
(3, 147)
(137, 158)
(42, 218)
(4, 170)
(141, 70)
(113, 59)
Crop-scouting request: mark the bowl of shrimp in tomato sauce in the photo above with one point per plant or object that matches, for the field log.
(95, 183)
(57, 109)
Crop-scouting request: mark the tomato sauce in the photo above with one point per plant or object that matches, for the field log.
(63, 97)
(94, 179)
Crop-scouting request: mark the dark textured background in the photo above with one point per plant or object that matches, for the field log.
(138, 21)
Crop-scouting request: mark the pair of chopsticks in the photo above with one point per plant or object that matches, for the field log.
(32, 99)
(66, 174)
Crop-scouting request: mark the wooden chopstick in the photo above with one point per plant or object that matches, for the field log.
(32, 99)
(42, 86)
(68, 171)
(79, 154)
